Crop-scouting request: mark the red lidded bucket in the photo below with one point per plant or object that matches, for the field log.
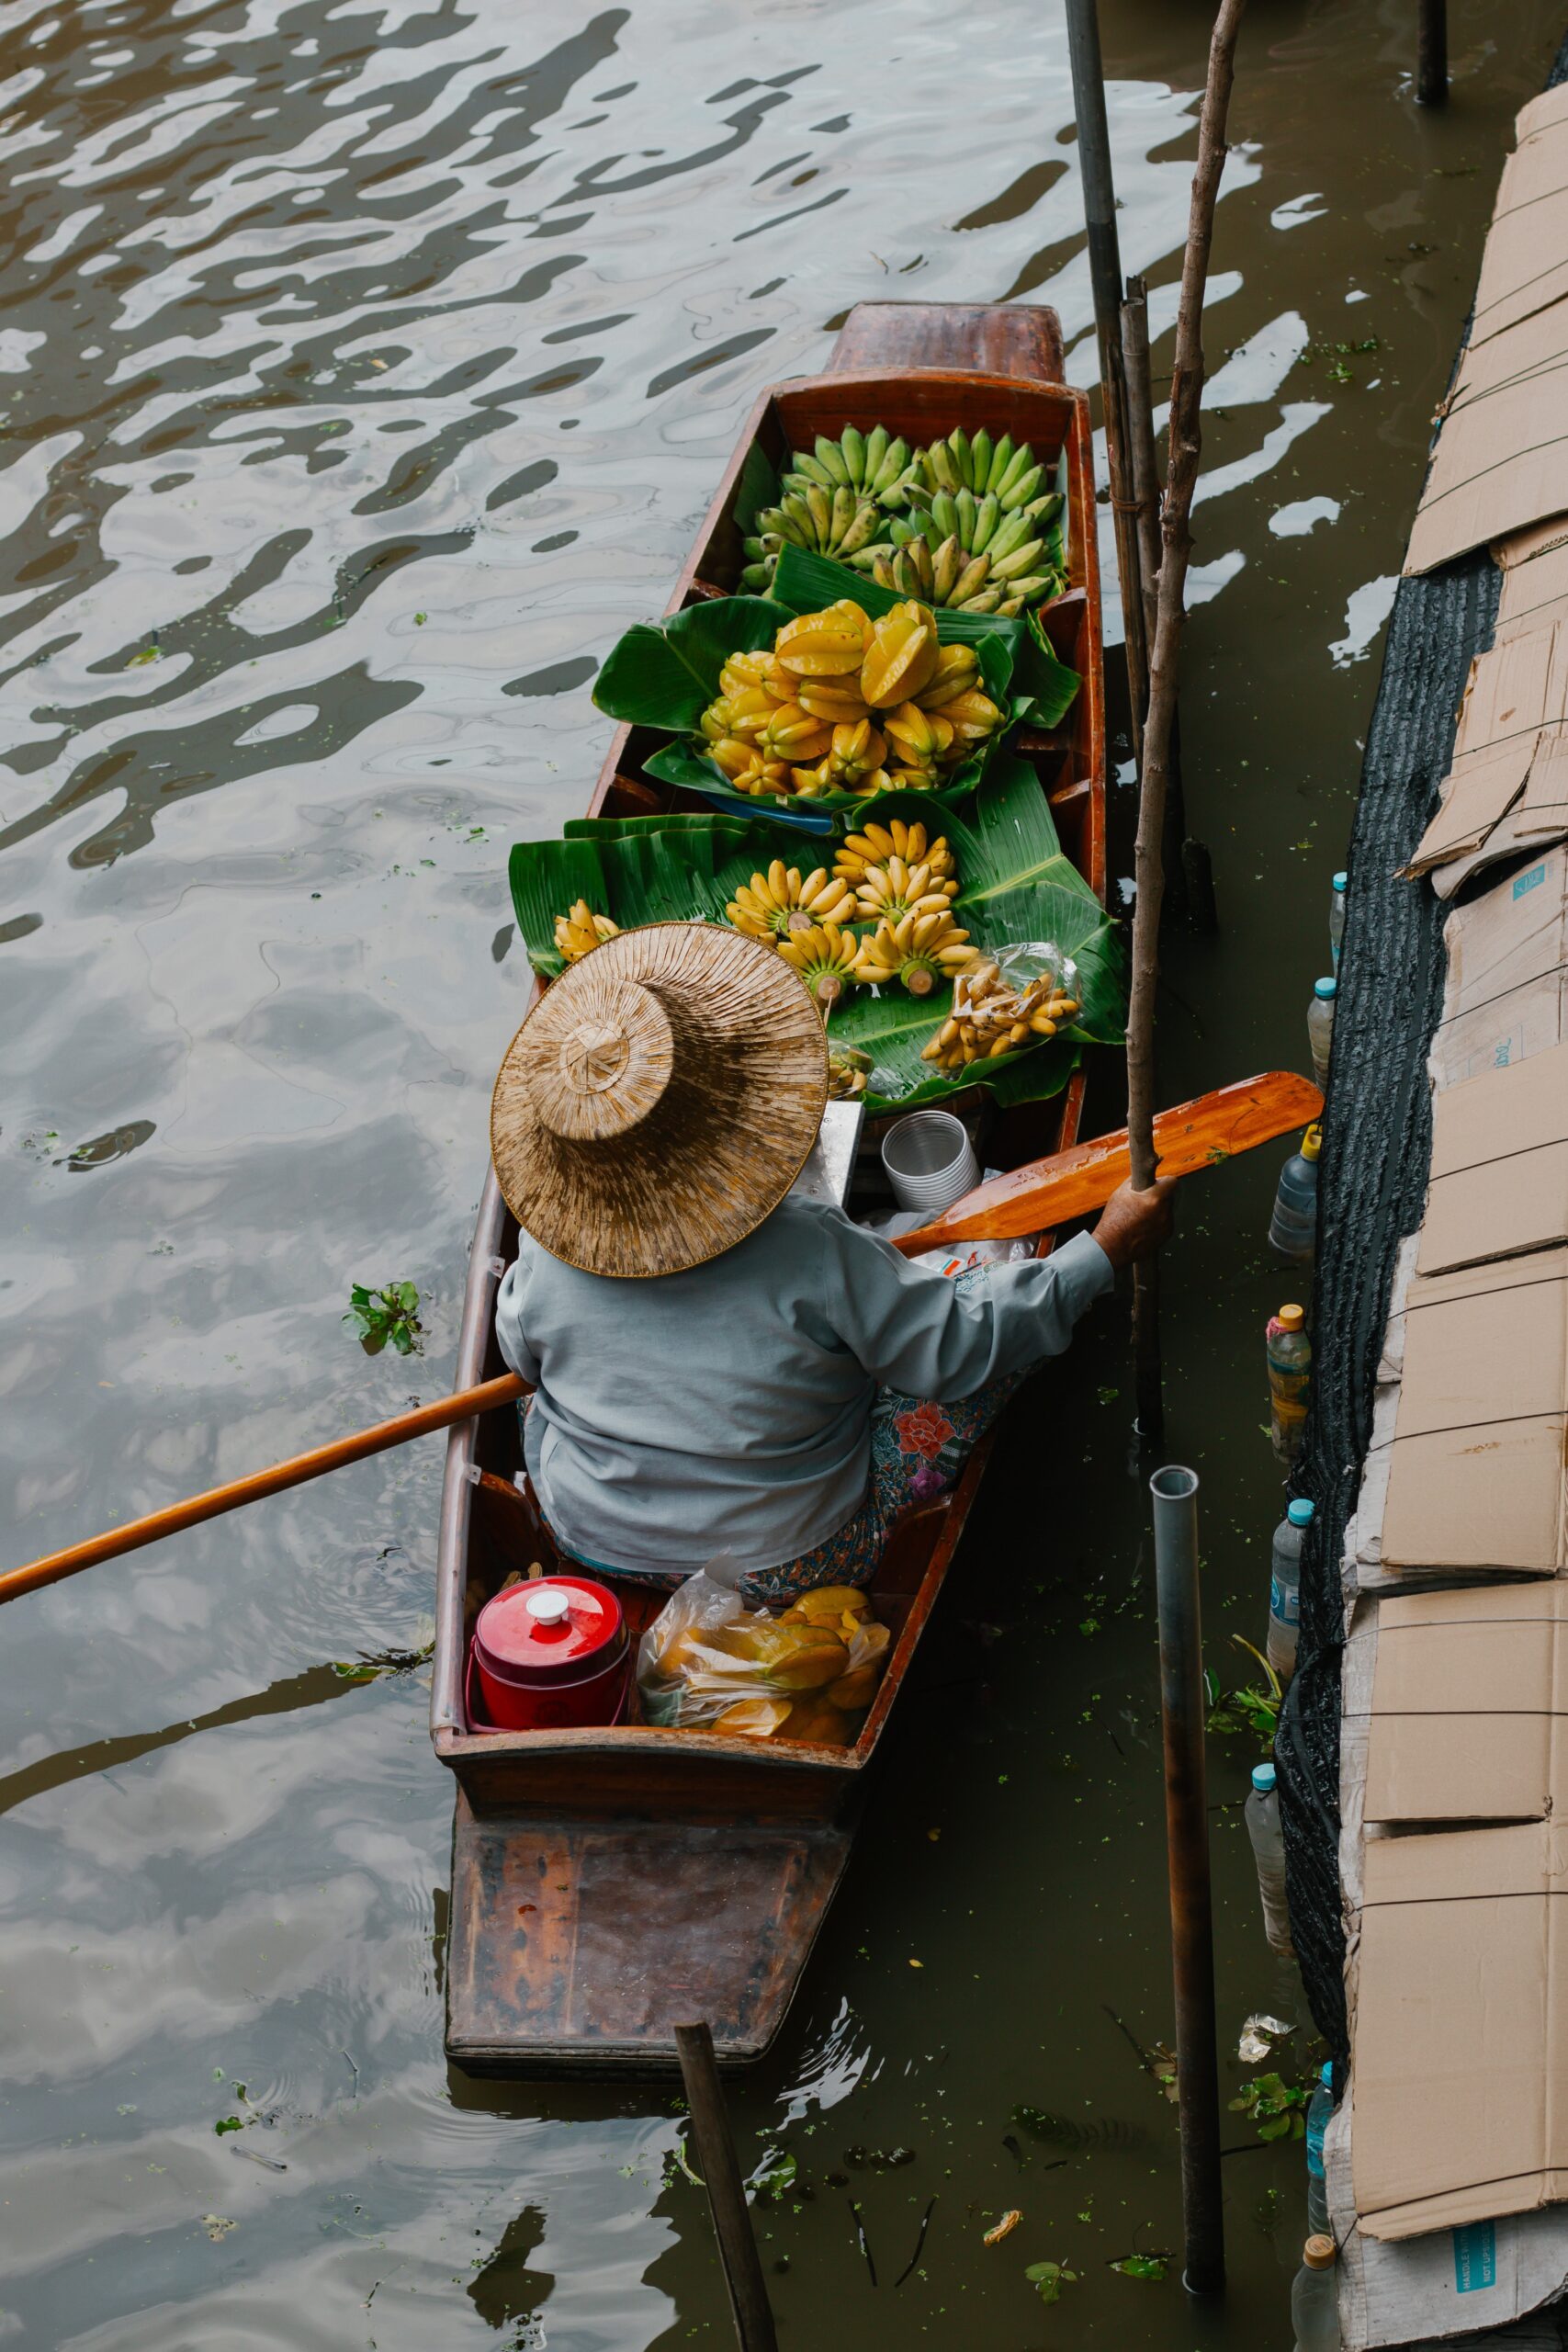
(552, 1655)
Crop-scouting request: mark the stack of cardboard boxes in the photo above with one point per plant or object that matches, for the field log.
(1448, 2163)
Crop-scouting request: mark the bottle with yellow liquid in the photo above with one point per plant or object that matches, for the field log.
(1289, 1380)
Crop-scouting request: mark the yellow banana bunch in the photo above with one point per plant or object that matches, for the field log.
(892, 889)
(990, 1017)
(876, 843)
(581, 930)
(848, 1071)
(825, 958)
(920, 950)
(902, 658)
(780, 902)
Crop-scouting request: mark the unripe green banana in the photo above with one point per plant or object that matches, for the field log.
(863, 525)
(831, 458)
(968, 511)
(1014, 566)
(852, 441)
(1018, 465)
(1001, 458)
(940, 466)
(945, 514)
(986, 516)
(895, 458)
(946, 564)
(755, 578)
(821, 508)
(809, 470)
(980, 461)
(958, 445)
(988, 601)
(753, 551)
(1024, 489)
(1037, 583)
(876, 450)
(843, 515)
(971, 580)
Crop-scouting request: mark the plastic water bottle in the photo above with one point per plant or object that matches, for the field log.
(1314, 2297)
(1268, 1853)
(1320, 1028)
(1336, 915)
(1290, 1358)
(1292, 1228)
(1320, 2106)
(1285, 1588)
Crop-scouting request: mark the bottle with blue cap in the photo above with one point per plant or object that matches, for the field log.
(1285, 1588)
(1336, 915)
(1320, 1028)
(1320, 2106)
(1268, 1853)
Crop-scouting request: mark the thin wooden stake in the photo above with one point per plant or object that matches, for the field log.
(1185, 447)
(1105, 277)
(726, 2195)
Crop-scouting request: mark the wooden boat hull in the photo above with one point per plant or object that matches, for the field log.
(608, 1886)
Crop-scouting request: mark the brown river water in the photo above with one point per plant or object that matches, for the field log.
(363, 369)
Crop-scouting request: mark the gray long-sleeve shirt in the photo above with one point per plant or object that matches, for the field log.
(728, 1408)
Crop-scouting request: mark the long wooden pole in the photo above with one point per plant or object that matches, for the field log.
(727, 2193)
(1105, 281)
(293, 1473)
(1185, 444)
(1432, 52)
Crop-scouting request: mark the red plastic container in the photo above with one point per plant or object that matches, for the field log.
(552, 1654)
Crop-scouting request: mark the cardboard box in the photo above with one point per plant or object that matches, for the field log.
(1461, 2029)
(1514, 933)
(1525, 265)
(1476, 793)
(1499, 1165)
(1488, 1503)
(1513, 689)
(1477, 1362)
(1501, 462)
(1504, 1112)
(1506, 1030)
(1469, 1706)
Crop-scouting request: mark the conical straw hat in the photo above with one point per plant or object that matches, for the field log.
(659, 1100)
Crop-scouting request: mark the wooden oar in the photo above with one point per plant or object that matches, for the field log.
(1052, 1192)
(294, 1473)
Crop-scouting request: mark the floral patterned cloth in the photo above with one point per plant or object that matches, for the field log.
(917, 1451)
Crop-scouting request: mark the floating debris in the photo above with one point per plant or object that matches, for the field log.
(1004, 2228)
(1258, 2036)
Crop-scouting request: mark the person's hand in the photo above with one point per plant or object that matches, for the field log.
(1132, 1225)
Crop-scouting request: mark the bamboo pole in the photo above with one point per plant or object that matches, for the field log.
(1105, 278)
(459, 1406)
(727, 2193)
(1185, 447)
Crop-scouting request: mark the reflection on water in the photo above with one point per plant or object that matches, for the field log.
(363, 369)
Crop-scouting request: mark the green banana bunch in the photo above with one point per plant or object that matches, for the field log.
(872, 463)
(993, 536)
(840, 522)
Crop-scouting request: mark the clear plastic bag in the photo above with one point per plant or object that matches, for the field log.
(707, 1662)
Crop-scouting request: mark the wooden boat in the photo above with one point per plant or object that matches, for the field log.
(610, 1885)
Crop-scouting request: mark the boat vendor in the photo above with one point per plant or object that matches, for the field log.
(719, 1367)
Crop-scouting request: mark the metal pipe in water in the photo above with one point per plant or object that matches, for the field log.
(1182, 1711)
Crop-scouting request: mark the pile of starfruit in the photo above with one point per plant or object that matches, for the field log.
(843, 703)
(968, 523)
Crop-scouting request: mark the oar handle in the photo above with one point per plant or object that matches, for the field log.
(459, 1406)
(1200, 1133)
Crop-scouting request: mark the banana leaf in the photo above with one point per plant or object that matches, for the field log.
(1016, 885)
(665, 673)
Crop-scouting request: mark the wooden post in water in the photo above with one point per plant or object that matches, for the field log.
(1105, 277)
(1432, 52)
(1185, 443)
(726, 2195)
